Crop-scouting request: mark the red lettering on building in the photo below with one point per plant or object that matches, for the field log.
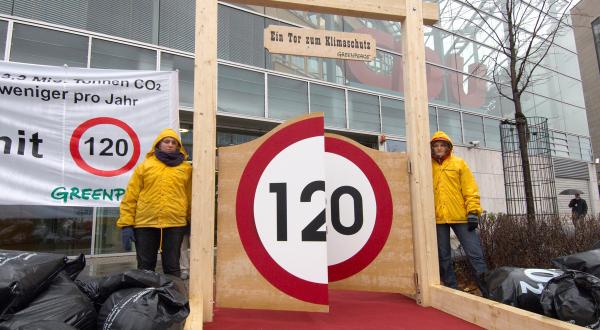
(393, 80)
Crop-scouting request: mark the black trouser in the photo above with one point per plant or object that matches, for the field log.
(147, 242)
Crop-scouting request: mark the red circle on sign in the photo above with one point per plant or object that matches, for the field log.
(383, 215)
(78, 133)
(276, 275)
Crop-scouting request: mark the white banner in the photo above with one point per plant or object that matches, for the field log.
(72, 136)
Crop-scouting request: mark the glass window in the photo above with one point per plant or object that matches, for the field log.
(551, 109)
(449, 122)
(240, 37)
(176, 24)
(439, 47)
(35, 45)
(187, 136)
(528, 104)
(575, 120)
(574, 149)
(433, 124)
(59, 229)
(392, 112)
(288, 98)
(507, 105)
(571, 90)
(108, 235)
(395, 146)
(586, 148)
(232, 138)
(363, 112)
(331, 101)
(241, 91)
(596, 31)
(492, 133)
(112, 55)
(3, 28)
(473, 126)
(560, 147)
(185, 66)
(383, 74)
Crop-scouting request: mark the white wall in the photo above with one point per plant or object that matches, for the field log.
(486, 165)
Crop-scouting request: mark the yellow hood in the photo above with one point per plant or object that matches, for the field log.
(167, 132)
(441, 136)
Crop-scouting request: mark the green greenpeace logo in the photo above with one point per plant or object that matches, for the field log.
(65, 194)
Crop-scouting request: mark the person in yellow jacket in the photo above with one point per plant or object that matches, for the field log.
(156, 205)
(456, 206)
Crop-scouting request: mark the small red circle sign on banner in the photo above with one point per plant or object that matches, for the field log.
(85, 126)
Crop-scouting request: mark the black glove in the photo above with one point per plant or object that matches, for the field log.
(472, 221)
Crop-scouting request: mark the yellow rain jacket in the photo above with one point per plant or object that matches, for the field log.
(454, 188)
(158, 195)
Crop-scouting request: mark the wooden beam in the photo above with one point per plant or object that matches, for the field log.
(417, 121)
(203, 174)
(490, 314)
(392, 10)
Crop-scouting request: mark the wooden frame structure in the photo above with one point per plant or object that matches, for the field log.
(413, 14)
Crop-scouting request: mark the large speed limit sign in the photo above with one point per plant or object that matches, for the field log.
(298, 210)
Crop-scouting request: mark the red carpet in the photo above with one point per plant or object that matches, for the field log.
(347, 310)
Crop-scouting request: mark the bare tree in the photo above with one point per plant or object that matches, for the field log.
(523, 38)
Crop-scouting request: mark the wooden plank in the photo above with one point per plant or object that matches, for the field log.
(393, 269)
(239, 283)
(203, 174)
(417, 120)
(490, 314)
(392, 10)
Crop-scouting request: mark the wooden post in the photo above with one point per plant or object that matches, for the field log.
(417, 122)
(203, 176)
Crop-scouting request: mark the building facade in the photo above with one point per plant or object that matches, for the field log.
(586, 28)
(257, 90)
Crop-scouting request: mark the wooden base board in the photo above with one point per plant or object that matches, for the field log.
(490, 314)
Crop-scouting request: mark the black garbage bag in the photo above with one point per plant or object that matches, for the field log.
(99, 289)
(587, 262)
(519, 287)
(23, 275)
(46, 325)
(149, 308)
(573, 297)
(62, 302)
(75, 266)
(163, 304)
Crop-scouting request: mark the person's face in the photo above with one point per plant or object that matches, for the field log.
(576, 196)
(440, 149)
(168, 144)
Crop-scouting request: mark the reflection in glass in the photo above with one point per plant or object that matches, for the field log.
(551, 109)
(433, 123)
(240, 37)
(574, 151)
(560, 147)
(112, 55)
(3, 28)
(363, 112)
(241, 91)
(331, 101)
(185, 67)
(59, 229)
(473, 127)
(586, 148)
(383, 74)
(227, 138)
(392, 112)
(492, 133)
(288, 98)
(449, 122)
(571, 91)
(108, 235)
(575, 120)
(36, 45)
(395, 146)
